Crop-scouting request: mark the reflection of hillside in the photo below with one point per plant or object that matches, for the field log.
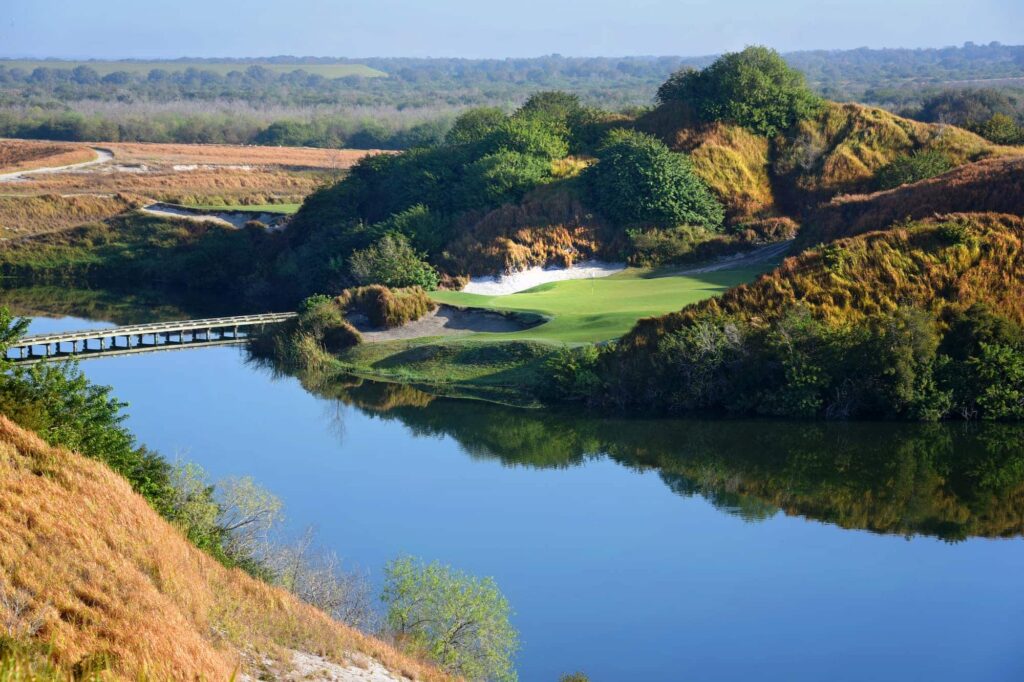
(947, 481)
(111, 306)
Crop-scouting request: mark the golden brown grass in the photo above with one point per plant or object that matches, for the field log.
(89, 568)
(226, 154)
(842, 148)
(20, 155)
(990, 185)
(26, 216)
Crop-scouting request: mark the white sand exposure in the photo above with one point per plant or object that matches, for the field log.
(527, 279)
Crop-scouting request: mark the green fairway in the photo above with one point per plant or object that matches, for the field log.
(104, 67)
(589, 310)
(287, 209)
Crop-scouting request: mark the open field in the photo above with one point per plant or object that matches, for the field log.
(592, 310)
(104, 67)
(22, 155)
(225, 177)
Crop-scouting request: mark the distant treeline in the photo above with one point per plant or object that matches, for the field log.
(206, 101)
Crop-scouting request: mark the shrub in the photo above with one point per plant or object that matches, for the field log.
(387, 308)
(527, 135)
(754, 88)
(638, 180)
(1001, 129)
(502, 177)
(910, 168)
(392, 262)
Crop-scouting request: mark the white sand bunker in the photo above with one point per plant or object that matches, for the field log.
(527, 279)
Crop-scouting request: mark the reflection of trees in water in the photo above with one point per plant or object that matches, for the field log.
(119, 307)
(949, 481)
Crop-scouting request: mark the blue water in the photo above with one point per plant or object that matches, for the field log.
(609, 571)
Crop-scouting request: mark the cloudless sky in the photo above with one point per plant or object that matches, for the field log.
(484, 28)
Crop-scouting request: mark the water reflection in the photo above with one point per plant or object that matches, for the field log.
(951, 481)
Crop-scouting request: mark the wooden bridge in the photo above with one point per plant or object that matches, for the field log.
(142, 338)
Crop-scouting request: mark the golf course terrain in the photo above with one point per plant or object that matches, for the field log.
(600, 309)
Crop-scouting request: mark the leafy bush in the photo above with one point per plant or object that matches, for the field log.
(754, 88)
(502, 177)
(1001, 129)
(527, 135)
(392, 262)
(638, 180)
(910, 168)
(460, 622)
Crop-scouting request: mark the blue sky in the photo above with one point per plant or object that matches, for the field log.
(482, 28)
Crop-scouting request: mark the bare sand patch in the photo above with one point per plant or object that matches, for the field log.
(445, 321)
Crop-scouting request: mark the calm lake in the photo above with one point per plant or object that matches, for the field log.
(630, 549)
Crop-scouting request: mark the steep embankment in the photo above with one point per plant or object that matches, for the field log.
(941, 265)
(835, 152)
(89, 570)
(995, 185)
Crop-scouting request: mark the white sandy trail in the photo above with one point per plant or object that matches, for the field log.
(102, 156)
(527, 279)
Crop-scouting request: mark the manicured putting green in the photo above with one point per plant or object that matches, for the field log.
(590, 310)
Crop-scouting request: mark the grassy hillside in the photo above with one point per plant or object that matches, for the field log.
(922, 321)
(93, 577)
(841, 149)
(991, 185)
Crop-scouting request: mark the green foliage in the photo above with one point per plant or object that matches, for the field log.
(475, 125)
(574, 677)
(572, 373)
(502, 177)
(460, 622)
(910, 168)
(754, 88)
(533, 135)
(1001, 129)
(638, 180)
(392, 262)
(311, 302)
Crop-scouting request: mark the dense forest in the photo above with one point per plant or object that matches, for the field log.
(416, 100)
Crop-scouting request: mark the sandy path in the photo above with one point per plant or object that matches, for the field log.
(236, 219)
(757, 256)
(445, 321)
(102, 156)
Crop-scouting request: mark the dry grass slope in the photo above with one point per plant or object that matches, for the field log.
(21, 155)
(990, 185)
(87, 566)
(840, 150)
(25, 216)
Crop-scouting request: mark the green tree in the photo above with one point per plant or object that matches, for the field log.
(474, 125)
(638, 180)
(909, 168)
(1001, 129)
(754, 88)
(393, 262)
(459, 621)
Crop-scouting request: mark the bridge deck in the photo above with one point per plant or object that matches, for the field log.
(154, 328)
